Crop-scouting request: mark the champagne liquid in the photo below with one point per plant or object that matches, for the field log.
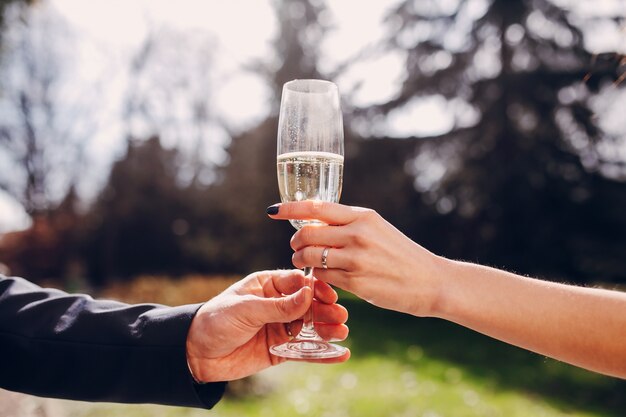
(309, 176)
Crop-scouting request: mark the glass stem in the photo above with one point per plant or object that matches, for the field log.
(308, 328)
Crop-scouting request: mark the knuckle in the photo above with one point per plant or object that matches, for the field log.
(317, 208)
(348, 282)
(281, 307)
(305, 235)
(358, 261)
(369, 214)
(351, 263)
(356, 235)
(246, 305)
(309, 255)
(359, 240)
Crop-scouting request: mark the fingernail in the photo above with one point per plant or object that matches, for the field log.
(272, 209)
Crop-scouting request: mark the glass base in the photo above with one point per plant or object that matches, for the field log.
(308, 349)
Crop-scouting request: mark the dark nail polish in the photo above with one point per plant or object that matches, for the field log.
(272, 209)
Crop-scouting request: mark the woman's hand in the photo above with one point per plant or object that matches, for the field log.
(367, 256)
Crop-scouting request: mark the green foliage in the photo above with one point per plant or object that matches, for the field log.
(519, 186)
(404, 366)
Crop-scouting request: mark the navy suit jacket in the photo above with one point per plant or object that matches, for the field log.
(55, 344)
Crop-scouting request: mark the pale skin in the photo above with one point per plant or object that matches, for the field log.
(230, 336)
(369, 257)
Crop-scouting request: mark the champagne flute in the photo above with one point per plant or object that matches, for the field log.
(310, 167)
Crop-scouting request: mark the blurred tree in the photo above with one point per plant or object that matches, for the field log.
(522, 184)
(170, 93)
(375, 170)
(520, 181)
(300, 32)
(43, 132)
(4, 4)
(248, 184)
(135, 224)
(49, 248)
(172, 102)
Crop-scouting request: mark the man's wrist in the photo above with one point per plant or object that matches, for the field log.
(193, 375)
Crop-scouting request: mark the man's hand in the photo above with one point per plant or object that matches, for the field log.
(230, 335)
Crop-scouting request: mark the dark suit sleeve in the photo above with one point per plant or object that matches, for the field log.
(54, 344)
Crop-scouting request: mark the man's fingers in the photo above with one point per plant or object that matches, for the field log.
(329, 213)
(324, 292)
(284, 282)
(289, 282)
(329, 313)
(327, 331)
(332, 332)
(329, 322)
(262, 310)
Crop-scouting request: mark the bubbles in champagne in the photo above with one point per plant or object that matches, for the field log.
(309, 176)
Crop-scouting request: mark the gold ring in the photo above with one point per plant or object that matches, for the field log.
(324, 257)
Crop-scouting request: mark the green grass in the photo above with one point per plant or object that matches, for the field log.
(403, 366)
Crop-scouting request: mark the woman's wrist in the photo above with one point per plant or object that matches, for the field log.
(447, 291)
(426, 284)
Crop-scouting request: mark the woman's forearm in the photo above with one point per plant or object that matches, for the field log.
(372, 259)
(582, 326)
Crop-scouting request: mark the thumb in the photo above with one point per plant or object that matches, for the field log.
(284, 309)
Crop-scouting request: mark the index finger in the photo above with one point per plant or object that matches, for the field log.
(330, 213)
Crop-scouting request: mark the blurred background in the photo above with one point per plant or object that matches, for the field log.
(137, 157)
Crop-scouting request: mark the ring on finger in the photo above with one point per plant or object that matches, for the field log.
(288, 329)
(325, 257)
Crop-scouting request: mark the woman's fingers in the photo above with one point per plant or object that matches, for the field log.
(329, 213)
(335, 277)
(314, 256)
(312, 235)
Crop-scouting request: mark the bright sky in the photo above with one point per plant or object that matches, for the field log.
(243, 31)
(106, 33)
